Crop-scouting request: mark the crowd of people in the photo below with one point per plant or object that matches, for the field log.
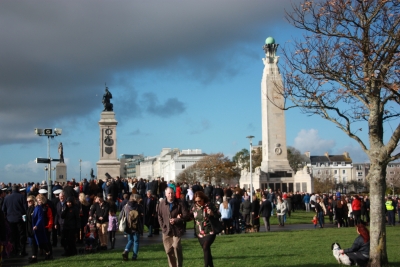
(83, 212)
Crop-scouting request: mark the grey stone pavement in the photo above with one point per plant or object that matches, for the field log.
(145, 241)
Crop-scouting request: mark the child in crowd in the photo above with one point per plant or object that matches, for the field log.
(315, 221)
(112, 227)
(91, 237)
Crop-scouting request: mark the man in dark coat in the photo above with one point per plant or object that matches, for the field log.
(69, 191)
(150, 214)
(113, 190)
(265, 212)
(99, 210)
(228, 192)
(154, 186)
(14, 207)
(141, 187)
(235, 206)
(161, 188)
(218, 191)
(171, 215)
(208, 191)
(59, 222)
(85, 187)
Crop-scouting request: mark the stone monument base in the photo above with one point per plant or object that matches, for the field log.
(303, 181)
(61, 172)
(112, 167)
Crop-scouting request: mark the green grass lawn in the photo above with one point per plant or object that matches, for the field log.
(306, 248)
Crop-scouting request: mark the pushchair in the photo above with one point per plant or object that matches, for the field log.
(91, 240)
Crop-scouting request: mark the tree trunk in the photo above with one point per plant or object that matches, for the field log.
(376, 178)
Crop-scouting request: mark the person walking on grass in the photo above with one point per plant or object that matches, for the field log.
(202, 211)
(281, 208)
(172, 214)
(321, 211)
(134, 227)
(265, 212)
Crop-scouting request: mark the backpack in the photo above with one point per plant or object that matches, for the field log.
(132, 220)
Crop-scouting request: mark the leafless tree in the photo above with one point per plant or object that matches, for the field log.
(346, 70)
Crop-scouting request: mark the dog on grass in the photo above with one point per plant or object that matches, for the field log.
(251, 228)
(341, 258)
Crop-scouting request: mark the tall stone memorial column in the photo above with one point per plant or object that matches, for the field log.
(108, 165)
(275, 171)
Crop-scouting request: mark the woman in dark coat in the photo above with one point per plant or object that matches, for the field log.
(72, 224)
(339, 213)
(255, 213)
(84, 208)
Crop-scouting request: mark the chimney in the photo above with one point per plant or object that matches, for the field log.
(346, 155)
(326, 154)
(308, 154)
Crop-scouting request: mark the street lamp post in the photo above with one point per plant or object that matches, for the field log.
(80, 170)
(50, 133)
(54, 171)
(45, 172)
(250, 137)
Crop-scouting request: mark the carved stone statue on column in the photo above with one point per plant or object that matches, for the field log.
(61, 152)
(108, 106)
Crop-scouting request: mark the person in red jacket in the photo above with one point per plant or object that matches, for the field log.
(178, 191)
(356, 207)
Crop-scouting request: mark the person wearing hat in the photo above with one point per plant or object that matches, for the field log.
(56, 187)
(14, 207)
(71, 226)
(22, 191)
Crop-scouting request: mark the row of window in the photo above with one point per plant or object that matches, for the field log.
(326, 164)
(334, 172)
(358, 167)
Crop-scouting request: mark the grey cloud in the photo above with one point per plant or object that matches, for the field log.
(170, 108)
(139, 132)
(56, 55)
(204, 126)
(251, 127)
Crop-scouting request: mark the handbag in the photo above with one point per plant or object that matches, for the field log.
(122, 222)
(216, 225)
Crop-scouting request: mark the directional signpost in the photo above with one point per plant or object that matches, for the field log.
(50, 133)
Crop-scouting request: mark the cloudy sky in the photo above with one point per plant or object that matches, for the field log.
(183, 74)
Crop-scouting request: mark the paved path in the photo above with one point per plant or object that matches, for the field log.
(144, 241)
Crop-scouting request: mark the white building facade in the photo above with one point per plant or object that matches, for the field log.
(169, 163)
